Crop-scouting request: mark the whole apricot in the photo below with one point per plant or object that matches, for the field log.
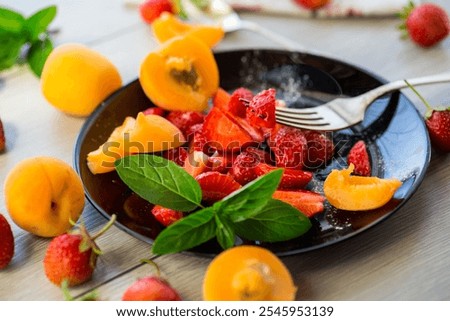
(76, 79)
(248, 273)
(43, 195)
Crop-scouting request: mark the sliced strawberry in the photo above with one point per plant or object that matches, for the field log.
(223, 132)
(177, 155)
(307, 202)
(184, 120)
(320, 149)
(216, 186)
(237, 104)
(221, 164)
(221, 99)
(196, 138)
(152, 9)
(166, 216)
(291, 179)
(261, 111)
(359, 157)
(289, 146)
(243, 168)
(155, 111)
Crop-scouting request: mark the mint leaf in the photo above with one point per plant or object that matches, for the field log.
(193, 230)
(37, 24)
(224, 233)
(11, 45)
(11, 21)
(250, 199)
(160, 181)
(276, 222)
(38, 54)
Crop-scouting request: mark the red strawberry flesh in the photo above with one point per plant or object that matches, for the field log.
(291, 179)
(307, 202)
(6, 242)
(359, 157)
(261, 111)
(150, 288)
(166, 216)
(215, 186)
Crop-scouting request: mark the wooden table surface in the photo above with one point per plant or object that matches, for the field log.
(406, 257)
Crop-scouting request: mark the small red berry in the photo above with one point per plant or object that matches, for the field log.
(312, 4)
(6, 242)
(184, 120)
(289, 146)
(152, 9)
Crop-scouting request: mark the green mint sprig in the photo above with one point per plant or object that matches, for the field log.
(19, 34)
(249, 212)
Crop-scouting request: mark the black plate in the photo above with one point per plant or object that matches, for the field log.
(393, 129)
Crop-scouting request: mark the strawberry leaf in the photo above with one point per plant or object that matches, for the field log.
(277, 221)
(193, 230)
(160, 182)
(250, 199)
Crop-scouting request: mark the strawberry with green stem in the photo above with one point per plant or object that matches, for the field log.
(426, 24)
(437, 120)
(73, 256)
(151, 288)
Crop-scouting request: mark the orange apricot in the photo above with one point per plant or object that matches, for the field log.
(146, 133)
(248, 273)
(44, 195)
(168, 26)
(358, 193)
(76, 79)
(181, 75)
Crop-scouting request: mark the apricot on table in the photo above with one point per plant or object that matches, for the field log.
(168, 26)
(358, 193)
(181, 75)
(76, 79)
(145, 134)
(248, 273)
(43, 195)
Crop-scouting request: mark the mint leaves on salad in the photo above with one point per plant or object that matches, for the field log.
(25, 40)
(250, 212)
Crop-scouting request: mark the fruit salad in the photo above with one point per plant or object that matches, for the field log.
(219, 165)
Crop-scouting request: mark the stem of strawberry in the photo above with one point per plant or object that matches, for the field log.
(152, 263)
(429, 108)
(106, 227)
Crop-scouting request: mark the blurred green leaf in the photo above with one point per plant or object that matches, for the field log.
(37, 55)
(11, 21)
(10, 48)
(37, 24)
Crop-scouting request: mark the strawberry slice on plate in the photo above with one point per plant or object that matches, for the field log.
(261, 111)
(239, 101)
(359, 157)
(307, 202)
(216, 186)
(166, 216)
(291, 179)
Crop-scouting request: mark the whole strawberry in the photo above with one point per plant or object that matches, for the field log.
(6, 242)
(73, 257)
(312, 4)
(151, 288)
(437, 120)
(426, 24)
(2, 137)
(152, 9)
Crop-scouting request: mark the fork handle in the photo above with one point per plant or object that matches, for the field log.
(373, 94)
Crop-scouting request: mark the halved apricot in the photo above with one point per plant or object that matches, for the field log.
(146, 133)
(248, 273)
(168, 26)
(181, 75)
(357, 193)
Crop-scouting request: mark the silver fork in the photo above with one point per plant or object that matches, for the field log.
(341, 113)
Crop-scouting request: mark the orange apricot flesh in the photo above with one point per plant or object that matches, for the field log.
(357, 193)
(248, 273)
(168, 26)
(145, 134)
